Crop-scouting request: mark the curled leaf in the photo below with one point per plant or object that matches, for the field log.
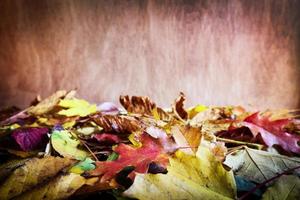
(178, 107)
(118, 124)
(142, 105)
(30, 138)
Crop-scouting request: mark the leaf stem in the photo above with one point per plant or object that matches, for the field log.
(267, 181)
(253, 145)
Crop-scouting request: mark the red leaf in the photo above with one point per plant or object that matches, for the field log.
(272, 132)
(140, 158)
(107, 138)
(30, 138)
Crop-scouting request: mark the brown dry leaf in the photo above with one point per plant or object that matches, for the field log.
(142, 105)
(61, 187)
(7, 168)
(187, 137)
(178, 107)
(47, 104)
(119, 124)
(98, 186)
(34, 171)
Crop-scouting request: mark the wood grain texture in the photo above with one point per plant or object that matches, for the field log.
(216, 52)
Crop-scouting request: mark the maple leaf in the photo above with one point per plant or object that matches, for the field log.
(140, 158)
(259, 166)
(272, 132)
(188, 177)
(34, 172)
(286, 187)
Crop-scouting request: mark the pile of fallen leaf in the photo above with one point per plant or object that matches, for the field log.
(63, 147)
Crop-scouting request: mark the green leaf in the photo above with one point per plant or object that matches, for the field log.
(82, 166)
(188, 177)
(285, 188)
(259, 166)
(66, 145)
(113, 156)
(76, 107)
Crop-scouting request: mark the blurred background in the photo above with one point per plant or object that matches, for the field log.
(216, 52)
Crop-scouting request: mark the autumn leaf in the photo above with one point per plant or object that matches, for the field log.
(85, 165)
(47, 104)
(178, 107)
(76, 107)
(272, 132)
(117, 124)
(8, 167)
(61, 187)
(108, 108)
(30, 138)
(287, 187)
(140, 158)
(188, 177)
(34, 172)
(144, 106)
(192, 112)
(107, 138)
(259, 166)
(67, 145)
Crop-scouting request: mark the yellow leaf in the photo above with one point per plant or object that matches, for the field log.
(69, 124)
(188, 177)
(192, 112)
(76, 107)
(66, 145)
(61, 187)
(34, 172)
(133, 140)
(47, 104)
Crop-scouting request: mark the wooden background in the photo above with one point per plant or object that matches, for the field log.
(217, 52)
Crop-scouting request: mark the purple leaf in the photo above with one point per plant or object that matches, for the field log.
(108, 108)
(30, 138)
